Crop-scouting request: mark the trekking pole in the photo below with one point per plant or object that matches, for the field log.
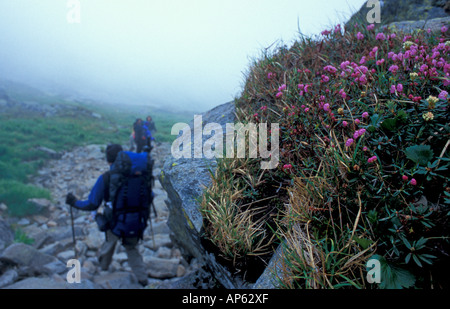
(73, 235)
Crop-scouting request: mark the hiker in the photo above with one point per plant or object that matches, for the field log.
(141, 135)
(149, 124)
(115, 221)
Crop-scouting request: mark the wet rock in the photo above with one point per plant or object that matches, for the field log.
(118, 280)
(184, 180)
(6, 234)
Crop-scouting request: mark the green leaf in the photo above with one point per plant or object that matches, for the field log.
(363, 242)
(389, 124)
(421, 154)
(416, 259)
(393, 277)
(402, 115)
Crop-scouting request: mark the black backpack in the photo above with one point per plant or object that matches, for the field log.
(130, 194)
(139, 132)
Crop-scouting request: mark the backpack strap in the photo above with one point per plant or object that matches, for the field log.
(106, 177)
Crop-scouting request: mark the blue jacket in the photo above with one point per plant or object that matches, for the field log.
(95, 198)
(148, 133)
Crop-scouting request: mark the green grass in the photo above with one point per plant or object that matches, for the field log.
(16, 194)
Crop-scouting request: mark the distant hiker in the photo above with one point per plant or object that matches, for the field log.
(126, 190)
(140, 135)
(150, 124)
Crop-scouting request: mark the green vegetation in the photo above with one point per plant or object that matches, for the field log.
(363, 173)
(23, 131)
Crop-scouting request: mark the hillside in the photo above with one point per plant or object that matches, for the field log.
(36, 126)
(363, 115)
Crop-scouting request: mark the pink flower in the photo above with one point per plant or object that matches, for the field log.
(337, 29)
(360, 36)
(342, 93)
(287, 166)
(380, 36)
(357, 121)
(330, 69)
(393, 89)
(443, 95)
(359, 133)
(279, 95)
(325, 32)
(405, 178)
(344, 123)
(326, 107)
(370, 27)
(380, 62)
(363, 79)
(372, 159)
(349, 142)
(345, 64)
(444, 29)
(263, 108)
(400, 88)
(365, 148)
(365, 115)
(282, 87)
(270, 75)
(413, 182)
(325, 78)
(393, 68)
(423, 68)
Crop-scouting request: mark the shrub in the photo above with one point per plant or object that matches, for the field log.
(364, 137)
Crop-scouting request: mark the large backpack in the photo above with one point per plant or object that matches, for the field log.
(139, 132)
(130, 193)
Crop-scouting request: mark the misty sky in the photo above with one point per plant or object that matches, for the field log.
(184, 54)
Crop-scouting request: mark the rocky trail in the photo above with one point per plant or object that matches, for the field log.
(43, 262)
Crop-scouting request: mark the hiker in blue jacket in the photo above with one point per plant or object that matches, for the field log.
(98, 194)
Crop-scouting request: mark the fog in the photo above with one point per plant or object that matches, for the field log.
(178, 54)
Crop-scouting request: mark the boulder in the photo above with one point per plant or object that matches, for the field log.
(6, 234)
(117, 280)
(21, 254)
(184, 180)
(162, 268)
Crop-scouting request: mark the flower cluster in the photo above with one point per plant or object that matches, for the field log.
(366, 109)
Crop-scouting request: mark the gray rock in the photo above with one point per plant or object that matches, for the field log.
(117, 280)
(162, 268)
(412, 25)
(51, 283)
(184, 180)
(54, 267)
(25, 255)
(50, 152)
(268, 279)
(6, 234)
(8, 278)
